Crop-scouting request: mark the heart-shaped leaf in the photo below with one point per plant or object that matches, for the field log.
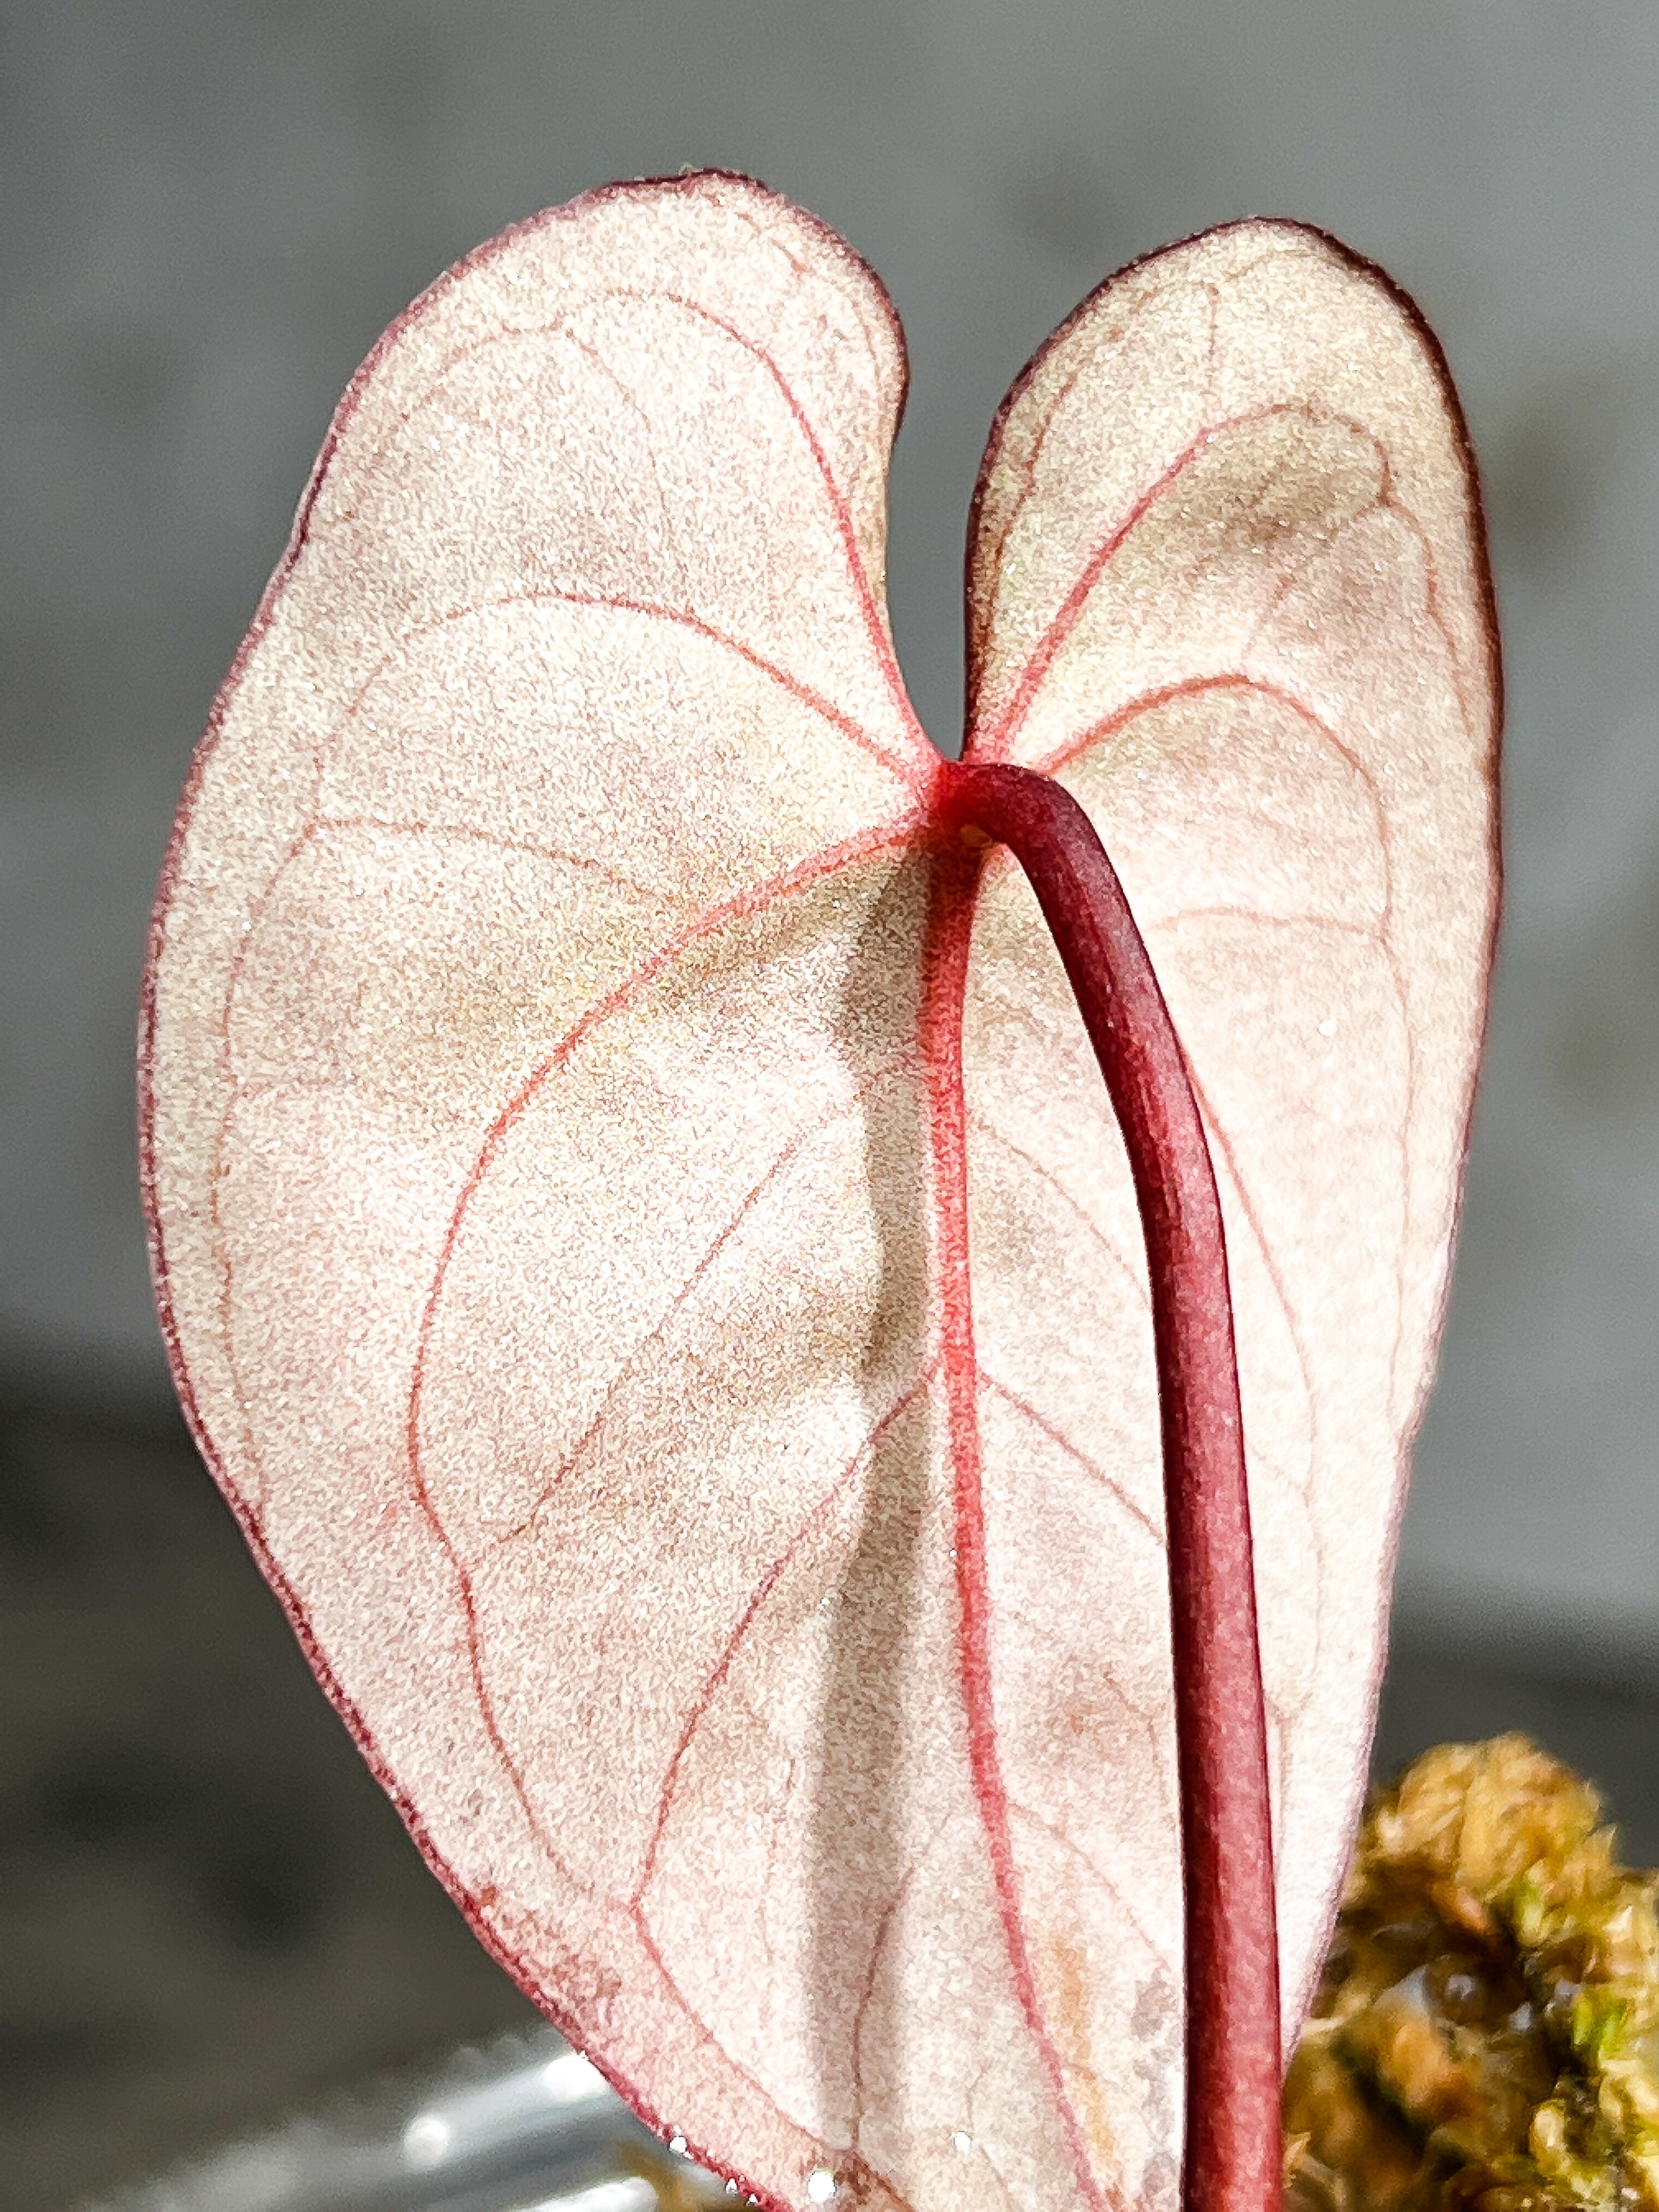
(637, 1223)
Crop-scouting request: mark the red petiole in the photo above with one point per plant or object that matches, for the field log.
(1233, 2059)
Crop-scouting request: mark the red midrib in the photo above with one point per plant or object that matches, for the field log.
(944, 976)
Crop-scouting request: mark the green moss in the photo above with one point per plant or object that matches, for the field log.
(1487, 2030)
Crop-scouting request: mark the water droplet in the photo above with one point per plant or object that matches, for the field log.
(1328, 1027)
(820, 2185)
(731, 2188)
(962, 2142)
(677, 2143)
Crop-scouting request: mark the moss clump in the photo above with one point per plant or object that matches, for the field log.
(1487, 2033)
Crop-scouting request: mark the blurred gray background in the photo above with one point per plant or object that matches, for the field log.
(212, 207)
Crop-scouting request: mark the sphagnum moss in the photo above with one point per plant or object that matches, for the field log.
(1487, 2033)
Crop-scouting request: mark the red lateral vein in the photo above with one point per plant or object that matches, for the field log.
(1220, 1142)
(983, 563)
(817, 869)
(768, 1582)
(998, 741)
(780, 1166)
(803, 877)
(875, 629)
(1070, 1847)
(1061, 1441)
(1197, 687)
(464, 833)
(916, 773)
(1046, 1174)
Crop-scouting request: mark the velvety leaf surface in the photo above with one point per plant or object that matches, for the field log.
(638, 1226)
(1226, 583)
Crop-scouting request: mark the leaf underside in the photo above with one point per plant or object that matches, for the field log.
(648, 1253)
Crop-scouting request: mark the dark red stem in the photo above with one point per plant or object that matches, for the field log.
(1233, 2158)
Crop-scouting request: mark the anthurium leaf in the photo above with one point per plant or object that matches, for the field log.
(638, 1228)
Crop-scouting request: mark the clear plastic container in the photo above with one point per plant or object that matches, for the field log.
(525, 2125)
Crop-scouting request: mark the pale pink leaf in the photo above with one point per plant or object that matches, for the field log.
(624, 1333)
(1226, 583)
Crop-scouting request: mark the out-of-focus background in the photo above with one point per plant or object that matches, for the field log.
(211, 209)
